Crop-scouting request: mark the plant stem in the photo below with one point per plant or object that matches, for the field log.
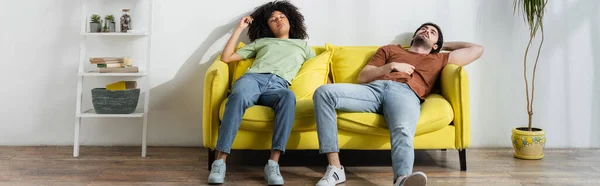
(526, 82)
(534, 68)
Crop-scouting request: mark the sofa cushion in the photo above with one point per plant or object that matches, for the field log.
(348, 61)
(436, 113)
(240, 67)
(312, 75)
(261, 118)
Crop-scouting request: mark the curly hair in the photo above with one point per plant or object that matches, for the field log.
(440, 41)
(260, 29)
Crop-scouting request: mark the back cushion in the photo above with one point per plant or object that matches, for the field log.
(348, 61)
(240, 67)
(312, 75)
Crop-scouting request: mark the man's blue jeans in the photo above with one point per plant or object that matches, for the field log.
(262, 89)
(397, 102)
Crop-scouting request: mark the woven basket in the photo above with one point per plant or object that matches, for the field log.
(115, 101)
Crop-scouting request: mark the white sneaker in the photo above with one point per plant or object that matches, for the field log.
(217, 173)
(333, 176)
(414, 179)
(272, 173)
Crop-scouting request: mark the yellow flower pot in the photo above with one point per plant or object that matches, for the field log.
(527, 144)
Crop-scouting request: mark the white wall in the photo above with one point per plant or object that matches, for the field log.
(39, 53)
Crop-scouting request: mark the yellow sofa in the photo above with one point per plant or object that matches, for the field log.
(444, 122)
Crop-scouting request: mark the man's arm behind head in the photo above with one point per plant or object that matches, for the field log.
(462, 53)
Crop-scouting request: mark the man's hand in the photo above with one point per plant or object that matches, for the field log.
(245, 22)
(369, 72)
(462, 53)
(402, 67)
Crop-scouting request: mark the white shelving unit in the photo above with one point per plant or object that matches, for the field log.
(145, 33)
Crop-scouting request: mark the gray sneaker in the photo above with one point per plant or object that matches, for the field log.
(272, 174)
(217, 173)
(414, 179)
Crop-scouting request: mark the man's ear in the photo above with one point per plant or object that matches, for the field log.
(435, 46)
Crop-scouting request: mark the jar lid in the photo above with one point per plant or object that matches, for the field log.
(126, 10)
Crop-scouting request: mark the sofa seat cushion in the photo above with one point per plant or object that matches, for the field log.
(436, 113)
(261, 118)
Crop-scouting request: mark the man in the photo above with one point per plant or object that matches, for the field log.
(393, 83)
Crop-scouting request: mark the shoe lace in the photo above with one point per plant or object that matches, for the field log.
(274, 169)
(216, 169)
(328, 173)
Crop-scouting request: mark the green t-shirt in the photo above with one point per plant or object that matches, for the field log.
(282, 57)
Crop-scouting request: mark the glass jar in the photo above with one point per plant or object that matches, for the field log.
(125, 21)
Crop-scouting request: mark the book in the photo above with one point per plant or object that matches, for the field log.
(106, 60)
(110, 65)
(133, 69)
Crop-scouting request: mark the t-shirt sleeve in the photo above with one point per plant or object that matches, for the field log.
(379, 58)
(444, 56)
(248, 51)
(311, 52)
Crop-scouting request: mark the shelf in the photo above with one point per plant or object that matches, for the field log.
(115, 34)
(143, 33)
(96, 73)
(92, 114)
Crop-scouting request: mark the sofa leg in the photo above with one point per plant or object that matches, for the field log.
(211, 158)
(462, 154)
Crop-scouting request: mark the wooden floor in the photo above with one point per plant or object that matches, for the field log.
(187, 166)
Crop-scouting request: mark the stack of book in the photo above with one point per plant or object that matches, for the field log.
(113, 65)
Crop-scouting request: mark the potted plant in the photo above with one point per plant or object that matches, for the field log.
(96, 23)
(110, 23)
(528, 142)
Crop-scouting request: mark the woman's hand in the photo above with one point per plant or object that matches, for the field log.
(245, 22)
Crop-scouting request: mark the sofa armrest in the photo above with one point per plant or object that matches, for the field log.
(455, 88)
(216, 81)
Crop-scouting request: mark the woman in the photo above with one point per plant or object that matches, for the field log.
(277, 34)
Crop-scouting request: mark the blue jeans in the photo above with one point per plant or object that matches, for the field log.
(398, 103)
(262, 89)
